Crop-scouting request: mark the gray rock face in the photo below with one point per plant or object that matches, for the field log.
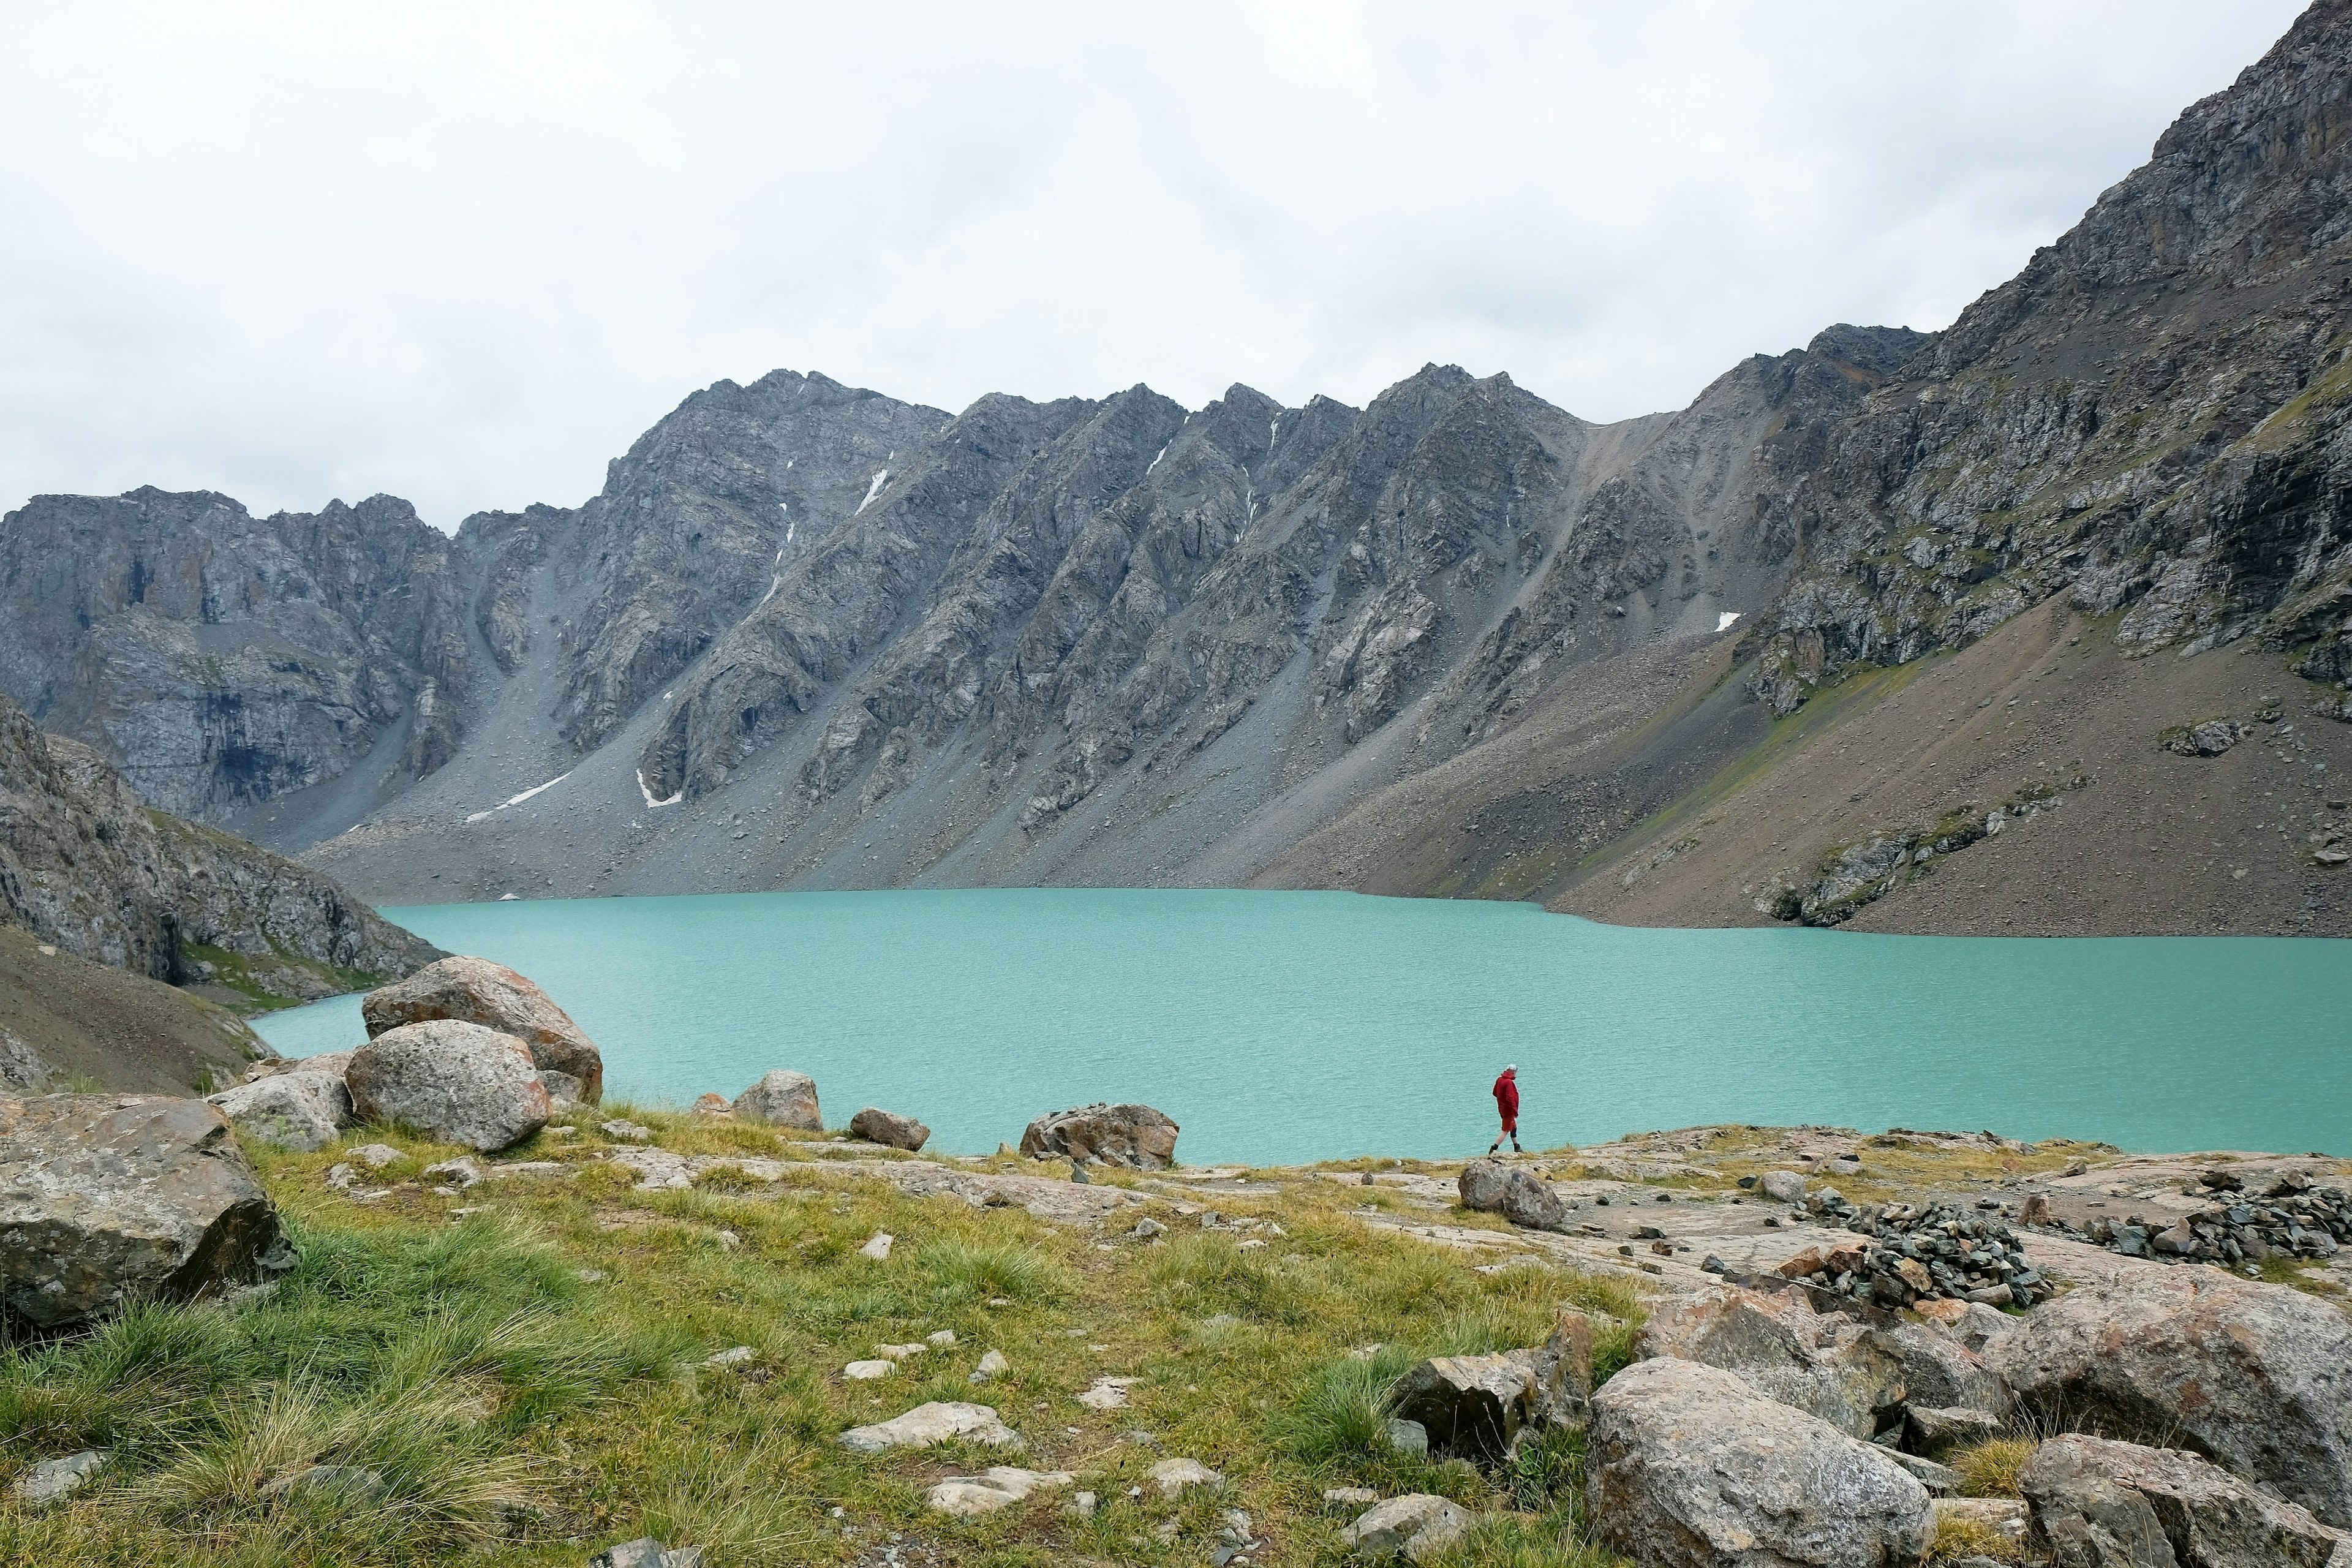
(782, 1099)
(300, 1111)
(2258, 1378)
(1688, 1467)
(222, 660)
(103, 1197)
(476, 991)
(1469, 1404)
(1783, 1186)
(1132, 1135)
(889, 1128)
(85, 866)
(1997, 467)
(2102, 1504)
(453, 1081)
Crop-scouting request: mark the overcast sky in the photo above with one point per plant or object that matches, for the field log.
(466, 254)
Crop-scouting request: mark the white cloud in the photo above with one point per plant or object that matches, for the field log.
(466, 253)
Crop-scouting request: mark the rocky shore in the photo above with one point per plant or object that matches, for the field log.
(1722, 1345)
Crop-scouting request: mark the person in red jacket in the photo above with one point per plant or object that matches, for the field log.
(1507, 1101)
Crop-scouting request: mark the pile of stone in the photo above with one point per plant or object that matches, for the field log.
(2290, 1218)
(1918, 1252)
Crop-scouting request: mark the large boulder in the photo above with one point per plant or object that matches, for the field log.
(2102, 1504)
(453, 1081)
(2258, 1378)
(1689, 1466)
(475, 991)
(1481, 1184)
(300, 1111)
(782, 1098)
(1133, 1135)
(1471, 1405)
(1531, 1202)
(107, 1197)
(1856, 1376)
(889, 1129)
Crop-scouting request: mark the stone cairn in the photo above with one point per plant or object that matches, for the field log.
(1917, 1252)
(2290, 1218)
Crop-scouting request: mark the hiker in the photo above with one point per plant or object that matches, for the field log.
(1507, 1101)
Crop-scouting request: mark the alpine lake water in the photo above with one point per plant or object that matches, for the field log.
(1278, 1027)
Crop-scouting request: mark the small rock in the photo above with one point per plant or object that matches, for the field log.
(866, 1371)
(376, 1156)
(969, 1497)
(459, 1172)
(1408, 1436)
(1940, 1481)
(993, 1365)
(626, 1132)
(889, 1129)
(1417, 1525)
(897, 1353)
(782, 1098)
(1107, 1394)
(1783, 1186)
(877, 1246)
(1481, 1184)
(712, 1105)
(737, 1356)
(1084, 1505)
(943, 1337)
(353, 1484)
(1349, 1496)
(1175, 1476)
(53, 1479)
(1934, 1432)
(933, 1423)
(1147, 1227)
(647, 1552)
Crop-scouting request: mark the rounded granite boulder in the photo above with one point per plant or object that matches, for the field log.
(453, 1081)
(475, 991)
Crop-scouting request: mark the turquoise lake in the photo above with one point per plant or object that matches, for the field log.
(1288, 1027)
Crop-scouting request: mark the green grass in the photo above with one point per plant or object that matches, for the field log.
(525, 1385)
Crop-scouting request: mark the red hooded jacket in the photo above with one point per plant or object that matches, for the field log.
(1506, 1098)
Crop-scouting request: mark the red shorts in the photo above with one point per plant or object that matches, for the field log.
(1510, 1124)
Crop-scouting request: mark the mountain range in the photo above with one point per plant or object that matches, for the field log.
(2042, 623)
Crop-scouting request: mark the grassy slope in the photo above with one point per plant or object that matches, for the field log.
(97, 1026)
(453, 1344)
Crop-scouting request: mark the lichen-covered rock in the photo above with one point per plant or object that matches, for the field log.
(475, 991)
(2101, 1504)
(453, 1081)
(106, 1197)
(2256, 1377)
(889, 1129)
(1562, 1368)
(782, 1098)
(300, 1111)
(999, 1486)
(1472, 1405)
(1689, 1466)
(1133, 1135)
